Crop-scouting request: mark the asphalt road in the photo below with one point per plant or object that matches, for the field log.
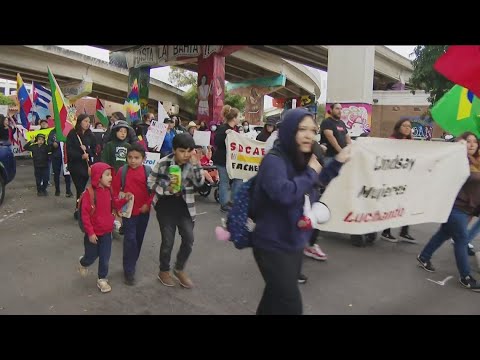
(40, 247)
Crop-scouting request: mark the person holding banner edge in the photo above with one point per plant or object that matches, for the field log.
(401, 131)
(466, 205)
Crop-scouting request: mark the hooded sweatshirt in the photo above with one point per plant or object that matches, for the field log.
(115, 153)
(280, 191)
(101, 221)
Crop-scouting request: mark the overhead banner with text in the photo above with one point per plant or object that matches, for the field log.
(243, 156)
(391, 183)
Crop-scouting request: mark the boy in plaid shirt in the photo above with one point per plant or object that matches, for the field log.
(176, 209)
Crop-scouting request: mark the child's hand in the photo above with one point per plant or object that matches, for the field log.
(128, 196)
(144, 209)
(173, 180)
(55, 145)
(83, 147)
(93, 239)
(85, 156)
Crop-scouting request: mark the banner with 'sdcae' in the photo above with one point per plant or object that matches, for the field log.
(243, 156)
(391, 183)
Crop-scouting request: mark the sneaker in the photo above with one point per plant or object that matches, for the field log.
(57, 193)
(82, 269)
(315, 252)
(129, 280)
(408, 238)
(426, 265)
(183, 278)
(470, 283)
(68, 195)
(389, 237)
(165, 278)
(470, 251)
(103, 285)
(302, 279)
(225, 209)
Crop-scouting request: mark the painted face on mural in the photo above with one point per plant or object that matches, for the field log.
(337, 111)
(307, 129)
(406, 128)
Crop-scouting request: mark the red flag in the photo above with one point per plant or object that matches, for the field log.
(461, 65)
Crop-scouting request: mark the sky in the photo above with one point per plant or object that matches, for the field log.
(162, 73)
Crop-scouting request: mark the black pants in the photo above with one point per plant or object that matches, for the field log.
(403, 231)
(80, 182)
(41, 178)
(57, 164)
(280, 270)
(314, 237)
(168, 226)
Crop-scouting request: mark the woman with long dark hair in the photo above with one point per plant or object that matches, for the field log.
(81, 146)
(287, 173)
(401, 131)
(466, 205)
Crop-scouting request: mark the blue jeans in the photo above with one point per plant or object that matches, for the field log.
(474, 230)
(456, 228)
(224, 185)
(102, 249)
(134, 231)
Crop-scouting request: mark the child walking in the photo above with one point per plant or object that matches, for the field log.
(132, 178)
(40, 152)
(97, 218)
(176, 208)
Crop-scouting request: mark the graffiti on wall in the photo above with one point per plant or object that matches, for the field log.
(422, 126)
(357, 117)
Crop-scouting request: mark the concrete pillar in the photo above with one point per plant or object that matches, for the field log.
(142, 75)
(350, 82)
(211, 88)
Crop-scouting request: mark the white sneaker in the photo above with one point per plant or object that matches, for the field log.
(470, 246)
(103, 285)
(82, 269)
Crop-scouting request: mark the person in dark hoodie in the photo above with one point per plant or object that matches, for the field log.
(284, 178)
(116, 116)
(40, 151)
(81, 146)
(268, 129)
(115, 152)
(57, 163)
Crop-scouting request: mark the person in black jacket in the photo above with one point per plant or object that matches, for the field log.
(220, 156)
(40, 151)
(57, 163)
(268, 129)
(81, 145)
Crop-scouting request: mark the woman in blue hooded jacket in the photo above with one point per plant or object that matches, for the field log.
(285, 176)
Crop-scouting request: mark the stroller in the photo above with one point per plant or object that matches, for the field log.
(206, 188)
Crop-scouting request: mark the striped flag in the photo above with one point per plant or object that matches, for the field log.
(101, 114)
(60, 109)
(41, 98)
(25, 102)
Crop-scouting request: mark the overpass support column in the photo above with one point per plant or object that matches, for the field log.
(142, 75)
(211, 88)
(350, 82)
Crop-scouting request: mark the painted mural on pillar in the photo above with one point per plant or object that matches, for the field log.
(357, 117)
(131, 105)
(211, 89)
(422, 126)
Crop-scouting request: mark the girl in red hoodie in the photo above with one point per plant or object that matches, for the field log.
(135, 182)
(99, 223)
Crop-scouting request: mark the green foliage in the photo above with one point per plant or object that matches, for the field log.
(424, 76)
(5, 100)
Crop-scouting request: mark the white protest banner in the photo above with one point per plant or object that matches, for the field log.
(19, 141)
(243, 156)
(391, 183)
(202, 138)
(64, 159)
(151, 159)
(3, 110)
(156, 134)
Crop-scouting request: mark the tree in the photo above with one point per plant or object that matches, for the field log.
(181, 78)
(424, 76)
(5, 100)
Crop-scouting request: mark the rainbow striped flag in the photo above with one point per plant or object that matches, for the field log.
(60, 109)
(458, 111)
